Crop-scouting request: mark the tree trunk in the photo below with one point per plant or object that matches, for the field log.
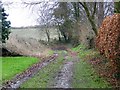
(92, 22)
(48, 34)
(59, 35)
(77, 11)
(100, 13)
(90, 16)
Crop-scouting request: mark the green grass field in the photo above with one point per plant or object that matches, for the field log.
(15, 65)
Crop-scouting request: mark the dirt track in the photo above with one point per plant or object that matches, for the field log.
(63, 79)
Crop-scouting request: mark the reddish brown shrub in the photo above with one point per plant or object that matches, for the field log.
(108, 40)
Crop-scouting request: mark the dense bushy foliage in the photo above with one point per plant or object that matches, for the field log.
(5, 25)
(108, 42)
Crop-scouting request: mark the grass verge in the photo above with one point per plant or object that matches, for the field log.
(84, 75)
(15, 65)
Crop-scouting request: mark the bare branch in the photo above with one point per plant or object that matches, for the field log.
(81, 4)
(94, 11)
(31, 3)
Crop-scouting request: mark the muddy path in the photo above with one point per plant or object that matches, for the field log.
(63, 78)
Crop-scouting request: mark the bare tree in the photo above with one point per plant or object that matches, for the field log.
(90, 14)
(44, 12)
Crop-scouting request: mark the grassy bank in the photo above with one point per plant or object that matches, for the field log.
(15, 65)
(84, 75)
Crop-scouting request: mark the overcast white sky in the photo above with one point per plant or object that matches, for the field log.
(19, 15)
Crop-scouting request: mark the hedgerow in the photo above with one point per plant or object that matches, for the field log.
(108, 42)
